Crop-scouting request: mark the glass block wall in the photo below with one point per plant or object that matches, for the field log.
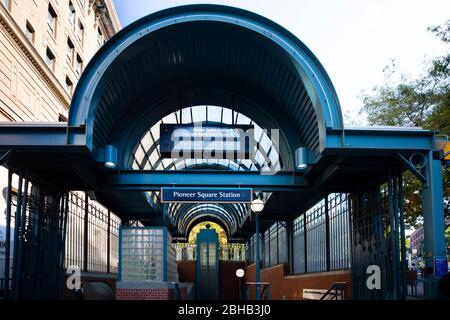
(146, 254)
(172, 270)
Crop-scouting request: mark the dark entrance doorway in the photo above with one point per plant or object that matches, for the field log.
(207, 265)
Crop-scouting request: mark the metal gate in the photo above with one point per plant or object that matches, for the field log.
(379, 240)
(207, 266)
(36, 218)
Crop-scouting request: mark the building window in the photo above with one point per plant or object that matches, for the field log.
(71, 18)
(50, 59)
(62, 118)
(79, 66)
(70, 50)
(100, 38)
(80, 31)
(51, 20)
(29, 32)
(6, 3)
(81, 2)
(69, 85)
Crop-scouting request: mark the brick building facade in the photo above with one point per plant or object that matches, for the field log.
(44, 47)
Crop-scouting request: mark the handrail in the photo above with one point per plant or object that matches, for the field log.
(264, 288)
(177, 292)
(338, 288)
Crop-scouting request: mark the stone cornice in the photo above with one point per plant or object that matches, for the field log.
(7, 21)
(105, 12)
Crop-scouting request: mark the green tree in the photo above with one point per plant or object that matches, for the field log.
(422, 101)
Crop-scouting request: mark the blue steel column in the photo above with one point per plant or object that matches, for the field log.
(402, 235)
(8, 234)
(434, 224)
(394, 236)
(257, 258)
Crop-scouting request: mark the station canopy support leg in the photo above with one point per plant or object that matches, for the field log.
(434, 224)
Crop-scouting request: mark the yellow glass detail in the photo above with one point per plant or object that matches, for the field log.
(202, 225)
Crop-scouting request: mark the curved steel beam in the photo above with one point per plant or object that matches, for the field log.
(203, 218)
(199, 209)
(316, 81)
(249, 102)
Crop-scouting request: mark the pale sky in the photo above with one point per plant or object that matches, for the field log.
(353, 39)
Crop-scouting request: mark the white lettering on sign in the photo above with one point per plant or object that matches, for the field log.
(184, 194)
(206, 195)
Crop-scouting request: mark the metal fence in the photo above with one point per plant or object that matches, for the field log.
(97, 238)
(339, 231)
(75, 231)
(275, 243)
(5, 284)
(96, 250)
(319, 239)
(34, 239)
(321, 236)
(316, 237)
(250, 252)
(379, 239)
(227, 252)
(299, 242)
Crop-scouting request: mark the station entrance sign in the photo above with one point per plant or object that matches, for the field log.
(206, 195)
(220, 141)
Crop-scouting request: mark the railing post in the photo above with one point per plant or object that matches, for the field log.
(327, 233)
(86, 231)
(257, 262)
(8, 234)
(17, 234)
(290, 239)
(305, 240)
(433, 223)
(277, 241)
(247, 292)
(21, 243)
(402, 234)
(394, 237)
(108, 245)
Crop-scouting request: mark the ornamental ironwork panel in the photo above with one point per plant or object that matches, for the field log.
(378, 240)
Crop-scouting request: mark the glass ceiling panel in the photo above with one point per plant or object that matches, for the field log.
(214, 114)
(147, 141)
(199, 114)
(241, 119)
(171, 118)
(186, 115)
(227, 116)
(147, 151)
(155, 131)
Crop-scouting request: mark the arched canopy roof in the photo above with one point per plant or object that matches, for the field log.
(203, 54)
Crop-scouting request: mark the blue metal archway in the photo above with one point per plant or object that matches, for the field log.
(138, 76)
